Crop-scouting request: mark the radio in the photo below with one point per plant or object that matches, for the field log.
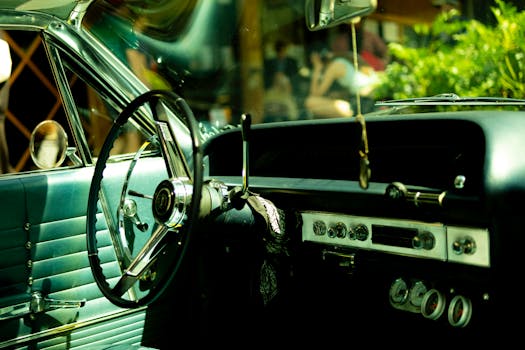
(466, 245)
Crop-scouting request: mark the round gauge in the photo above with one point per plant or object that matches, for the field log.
(416, 294)
(398, 292)
(459, 311)
(433, 304)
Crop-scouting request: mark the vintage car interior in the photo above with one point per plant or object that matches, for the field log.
(132, 224)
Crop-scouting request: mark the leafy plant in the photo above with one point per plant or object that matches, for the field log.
(461, 56)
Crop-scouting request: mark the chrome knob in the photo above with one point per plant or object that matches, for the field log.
(360, 231)
(319, 228)
(423, 240)
(465, 245)
(338, 230)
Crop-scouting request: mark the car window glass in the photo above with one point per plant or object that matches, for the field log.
(29, 96)
(260, 58)
(253, 59)
(97, 116)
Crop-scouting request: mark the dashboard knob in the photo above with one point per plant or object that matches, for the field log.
(423, 240)
(338, 230)
(319, 228)
(465, 245)
(396, 190)
(360, 232)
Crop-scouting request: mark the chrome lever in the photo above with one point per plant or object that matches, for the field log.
(238, 195)
(39, 303)
(246, 122)
(35, 303)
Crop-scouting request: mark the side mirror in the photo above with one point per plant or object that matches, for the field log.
(48, 144)
(322, 14)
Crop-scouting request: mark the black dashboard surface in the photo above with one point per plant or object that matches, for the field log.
(428, 151)
(314, 165)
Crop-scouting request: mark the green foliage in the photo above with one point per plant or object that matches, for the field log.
(465, 57)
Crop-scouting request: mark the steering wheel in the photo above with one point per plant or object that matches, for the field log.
(145, 275)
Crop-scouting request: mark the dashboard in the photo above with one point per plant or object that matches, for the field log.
(434, 237)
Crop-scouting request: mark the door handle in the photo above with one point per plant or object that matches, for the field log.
(36, 303)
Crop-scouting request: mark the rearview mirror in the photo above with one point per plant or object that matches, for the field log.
(322, 14)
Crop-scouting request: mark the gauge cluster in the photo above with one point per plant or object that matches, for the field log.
(432, 303)
(464, 245)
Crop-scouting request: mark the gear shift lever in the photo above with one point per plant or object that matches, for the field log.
(238, 195)
(246, 122)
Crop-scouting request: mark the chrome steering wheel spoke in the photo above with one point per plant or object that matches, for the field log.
(174, 205)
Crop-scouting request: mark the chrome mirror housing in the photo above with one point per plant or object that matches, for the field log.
(48, 144)
(320, 14)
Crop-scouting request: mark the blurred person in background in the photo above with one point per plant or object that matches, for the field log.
(335, 82)
(279, 102)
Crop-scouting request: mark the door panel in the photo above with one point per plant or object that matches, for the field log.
(13, 254)
(43, 255)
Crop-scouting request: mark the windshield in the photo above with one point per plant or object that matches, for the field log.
(228, 57)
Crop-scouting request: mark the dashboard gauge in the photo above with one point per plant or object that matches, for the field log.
(433, 304)
(459, 311)
(416, 294)
(398, 292)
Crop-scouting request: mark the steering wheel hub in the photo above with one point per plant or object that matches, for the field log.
(170, 201)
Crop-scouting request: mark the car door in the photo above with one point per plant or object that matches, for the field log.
(48, 298)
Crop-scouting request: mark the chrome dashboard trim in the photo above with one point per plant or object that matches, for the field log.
(444, 237)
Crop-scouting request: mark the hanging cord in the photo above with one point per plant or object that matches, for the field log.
(356, 64)
(364, 171)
